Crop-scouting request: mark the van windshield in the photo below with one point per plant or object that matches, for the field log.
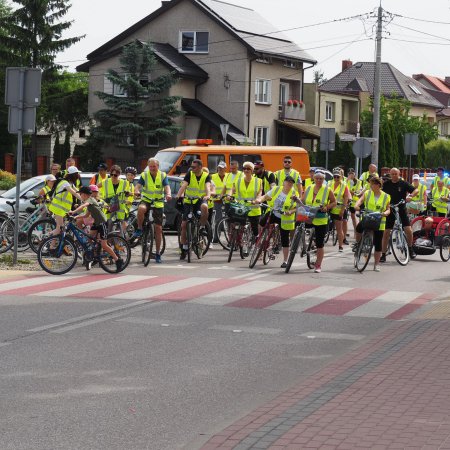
(167, 160)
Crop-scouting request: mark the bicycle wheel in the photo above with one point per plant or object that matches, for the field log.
(303, 242)
(247, 240)
(295, 244)
(334, 235)
(121, 249)
(190, 229)
(399, 247)
(233, 239)
(39, 231)
(258, 247)
(7, 235)
(364, 251)
(56, 255)
(311, 251)
(130, 229)
(147, 244)
(273, 247)
(444, 248)
(202, 240)
(223, 233)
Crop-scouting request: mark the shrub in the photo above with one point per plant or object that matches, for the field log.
(7, 180)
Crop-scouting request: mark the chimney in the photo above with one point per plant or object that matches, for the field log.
(346, 63)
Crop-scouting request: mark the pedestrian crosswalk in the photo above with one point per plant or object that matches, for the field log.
(225, 292)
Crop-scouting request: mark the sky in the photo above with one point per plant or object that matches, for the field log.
(414, 43)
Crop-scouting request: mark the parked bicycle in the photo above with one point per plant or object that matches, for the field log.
(58, 254)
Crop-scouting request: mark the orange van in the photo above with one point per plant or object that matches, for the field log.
(177, 160)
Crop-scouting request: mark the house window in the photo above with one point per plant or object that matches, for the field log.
(263, 90)
(284, 93)
(194, 41)
(152, 141)
(261, 135)
(329, 111)
(290, 63)
(444, 128)
(125, 140)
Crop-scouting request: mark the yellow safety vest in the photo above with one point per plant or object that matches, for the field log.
(441, 207)
(419, 197)
(77, 183)
(62, 200)
(354, 186)
(322, 198)
(231, 180)
(218, 182)
(107, 191)
(445, 180)
(196, 188)
(309, 182)
(365, 176)
(377, 205)
(246, 193)
(287, 221)
(130, 198)
(46, 190)
(153, 189)
(281, 175)
(339, 194)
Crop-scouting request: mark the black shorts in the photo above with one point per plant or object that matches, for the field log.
(195, 207)
(102, 230)
(335, 216)
(377, 237)
(403, 217)
(157, 212)
(352, 209)
(320, 233)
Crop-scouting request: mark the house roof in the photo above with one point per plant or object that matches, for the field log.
(166, 54)
(245, 24)
(307, 129)
(199, 109)
(437, 83)
(393, 82)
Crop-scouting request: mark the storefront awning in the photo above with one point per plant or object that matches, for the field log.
(307, 130)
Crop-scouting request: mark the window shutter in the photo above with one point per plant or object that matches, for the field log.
(269, 91)
(107, 86)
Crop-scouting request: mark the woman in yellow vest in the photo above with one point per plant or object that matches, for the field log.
(440, 195)
(342, 194)
(282, 211)
(48, 185)
(319, 195)
(115, 187)
(63, 197)
(418, 203)
(248, 189)
(375, 200)
(219, 180)
(355, 187)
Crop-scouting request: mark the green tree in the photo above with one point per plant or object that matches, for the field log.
(144, 110)
(437, 153)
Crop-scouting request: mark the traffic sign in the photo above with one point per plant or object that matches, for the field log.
(28, 120)
(362, 148)
(327, 139)
(32, 87)
(411, 144)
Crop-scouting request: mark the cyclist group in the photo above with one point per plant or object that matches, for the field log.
(267, 196)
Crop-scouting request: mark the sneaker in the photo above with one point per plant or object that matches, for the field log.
(412, 253)
(183, 254)
(317, 269)
(346, 242)
(89, 265)
(383, 258)
(284, 265)
(119, 264)
(341, 249)
(137, 234)
(158, 258)
(376, 268)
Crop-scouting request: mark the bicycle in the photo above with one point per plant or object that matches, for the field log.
(241, 234)
(267, 243)
(197, 240)
(148, 234)
(397, 242)
(58, 254)
(371, 222)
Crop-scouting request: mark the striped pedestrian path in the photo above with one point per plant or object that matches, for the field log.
(215, 291)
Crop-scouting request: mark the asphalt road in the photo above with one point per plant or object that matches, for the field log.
(121, 372)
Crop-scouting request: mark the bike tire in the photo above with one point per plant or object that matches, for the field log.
(148, 244)
(38, 231)
(131, 228)
(189, 236)
(258, 248)
(59, 260)
(144, 245)
(444, 248)
(233, 239)
(7, 235)
(273, 243)
(295, 244)
(223, 233)
(245, 246)
(364, 251)
(399, 247)
(121, 249)
(311, 251)
(202, 242)
(334, 236)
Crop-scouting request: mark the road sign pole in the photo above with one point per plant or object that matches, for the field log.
(19, 162)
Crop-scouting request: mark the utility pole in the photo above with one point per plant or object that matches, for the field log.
(377, 89)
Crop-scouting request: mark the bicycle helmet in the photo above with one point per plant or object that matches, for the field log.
(131, 169)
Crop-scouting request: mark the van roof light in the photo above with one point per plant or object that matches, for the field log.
(196, 142)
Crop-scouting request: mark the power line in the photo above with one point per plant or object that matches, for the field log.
(421, 20)
(421, 32)
(416, 42)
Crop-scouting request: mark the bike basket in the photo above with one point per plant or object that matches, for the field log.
(114, 204)
(238, 212)
(414, 207)
(306, 213)
(371, 221)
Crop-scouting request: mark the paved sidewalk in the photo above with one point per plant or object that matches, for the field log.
(391, 393)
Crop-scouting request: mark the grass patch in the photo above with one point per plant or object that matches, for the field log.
(8, 260)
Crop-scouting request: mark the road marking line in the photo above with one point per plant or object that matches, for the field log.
(157, 322)
(86, 317)
(309, 299)
(339, 336)
(253, 330)
(384, 304)
(252, 275)
(35, 281)
(236, 293)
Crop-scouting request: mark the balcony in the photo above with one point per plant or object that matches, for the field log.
(293, 110)
(349, 127)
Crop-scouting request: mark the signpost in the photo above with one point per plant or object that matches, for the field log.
(411, 141)
(362, 148)
(22, 95)
(327, 142)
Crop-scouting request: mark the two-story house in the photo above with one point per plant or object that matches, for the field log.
(340, 100)
(440, 89)
(233, 67)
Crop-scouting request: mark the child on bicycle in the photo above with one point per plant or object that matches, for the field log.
(94, 210)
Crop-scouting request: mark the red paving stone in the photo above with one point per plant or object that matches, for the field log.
(401, 401)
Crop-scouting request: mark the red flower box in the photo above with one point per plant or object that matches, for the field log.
(289, 103)
(295, 103)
